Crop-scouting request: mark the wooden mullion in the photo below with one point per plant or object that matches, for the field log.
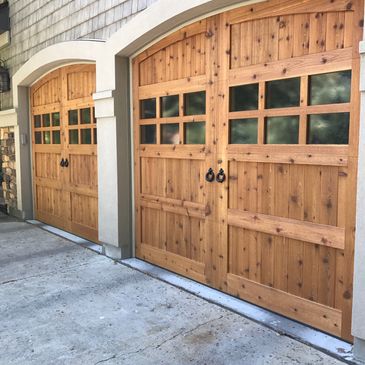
(261, 116)
(158, 132)
(181, 133)
(303, 115)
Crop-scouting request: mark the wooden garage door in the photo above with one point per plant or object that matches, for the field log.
(269, 93)
(64, 150)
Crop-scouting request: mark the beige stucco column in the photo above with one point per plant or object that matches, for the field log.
(358, 317)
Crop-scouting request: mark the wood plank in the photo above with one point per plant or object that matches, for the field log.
(171, 261)
(286, 158)
(189, 84)
(298, 66)
(302, 310)
(320, 234)
(286, 7)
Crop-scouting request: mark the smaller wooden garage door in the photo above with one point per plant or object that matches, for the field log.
(64, 142)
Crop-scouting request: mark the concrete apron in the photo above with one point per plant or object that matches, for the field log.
(62, 304)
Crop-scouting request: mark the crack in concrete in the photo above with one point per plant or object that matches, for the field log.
(105, 360)
(156, 347)
(43, 274)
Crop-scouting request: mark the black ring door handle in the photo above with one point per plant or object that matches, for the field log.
(210, 175)
(62, 163)
(221, 176)
(66, 163)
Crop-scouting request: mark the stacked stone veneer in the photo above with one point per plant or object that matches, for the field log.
(7, 160)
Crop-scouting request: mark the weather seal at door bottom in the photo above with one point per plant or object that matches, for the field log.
(68, 236)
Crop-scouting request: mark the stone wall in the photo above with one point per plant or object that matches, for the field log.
(7, 155)
(37, 24)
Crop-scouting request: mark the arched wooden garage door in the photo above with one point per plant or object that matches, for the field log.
(64, 150)
(269, 93)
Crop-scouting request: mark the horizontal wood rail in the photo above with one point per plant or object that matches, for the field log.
(181, 207)
(174, 87)
(171, 261)
(277, 112)
(287, 7)
(196, 152)
(190, 119)
(294, 158)
(298, 66)
(319, 234)
(303, 310)
(333, 155)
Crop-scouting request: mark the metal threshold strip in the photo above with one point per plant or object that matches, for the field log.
(284, 326)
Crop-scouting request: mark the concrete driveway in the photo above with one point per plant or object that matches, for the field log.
(63, 304)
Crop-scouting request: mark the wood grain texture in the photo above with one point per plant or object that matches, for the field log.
(65, 197)
(279, 231)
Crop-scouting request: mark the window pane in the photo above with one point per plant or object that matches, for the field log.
(170, 133)
(283, 93)
(47, 137)
(37, 121)
(330, 88)
(245, 97)
(282, 130)
(195, 133)
(85, 116)
(73, 117)
(46, 120)
(95, 136)
(194, 103)
(38, 137)
(148, 108)
(56, 137)
(170, 106)
(85, 136)
(148, 134)
(243, 131)
(328, 128)
(55, 119)
(73, 136)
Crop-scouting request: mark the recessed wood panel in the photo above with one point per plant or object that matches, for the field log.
(84, 210)
(281, 37)
(301, 192)
(80, 85)
(48, 92)
(49, 201)
(47, 165)
(185, 58)
(83, 170)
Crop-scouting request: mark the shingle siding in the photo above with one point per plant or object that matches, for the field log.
(38, 24)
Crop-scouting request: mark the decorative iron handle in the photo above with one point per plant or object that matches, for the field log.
(62, 163)
(210, 175)
(66, 163)
(221, 176)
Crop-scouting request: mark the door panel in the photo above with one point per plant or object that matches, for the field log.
(281, 123)
(64, 131)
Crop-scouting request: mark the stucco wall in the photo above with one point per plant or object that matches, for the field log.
(38, 24)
